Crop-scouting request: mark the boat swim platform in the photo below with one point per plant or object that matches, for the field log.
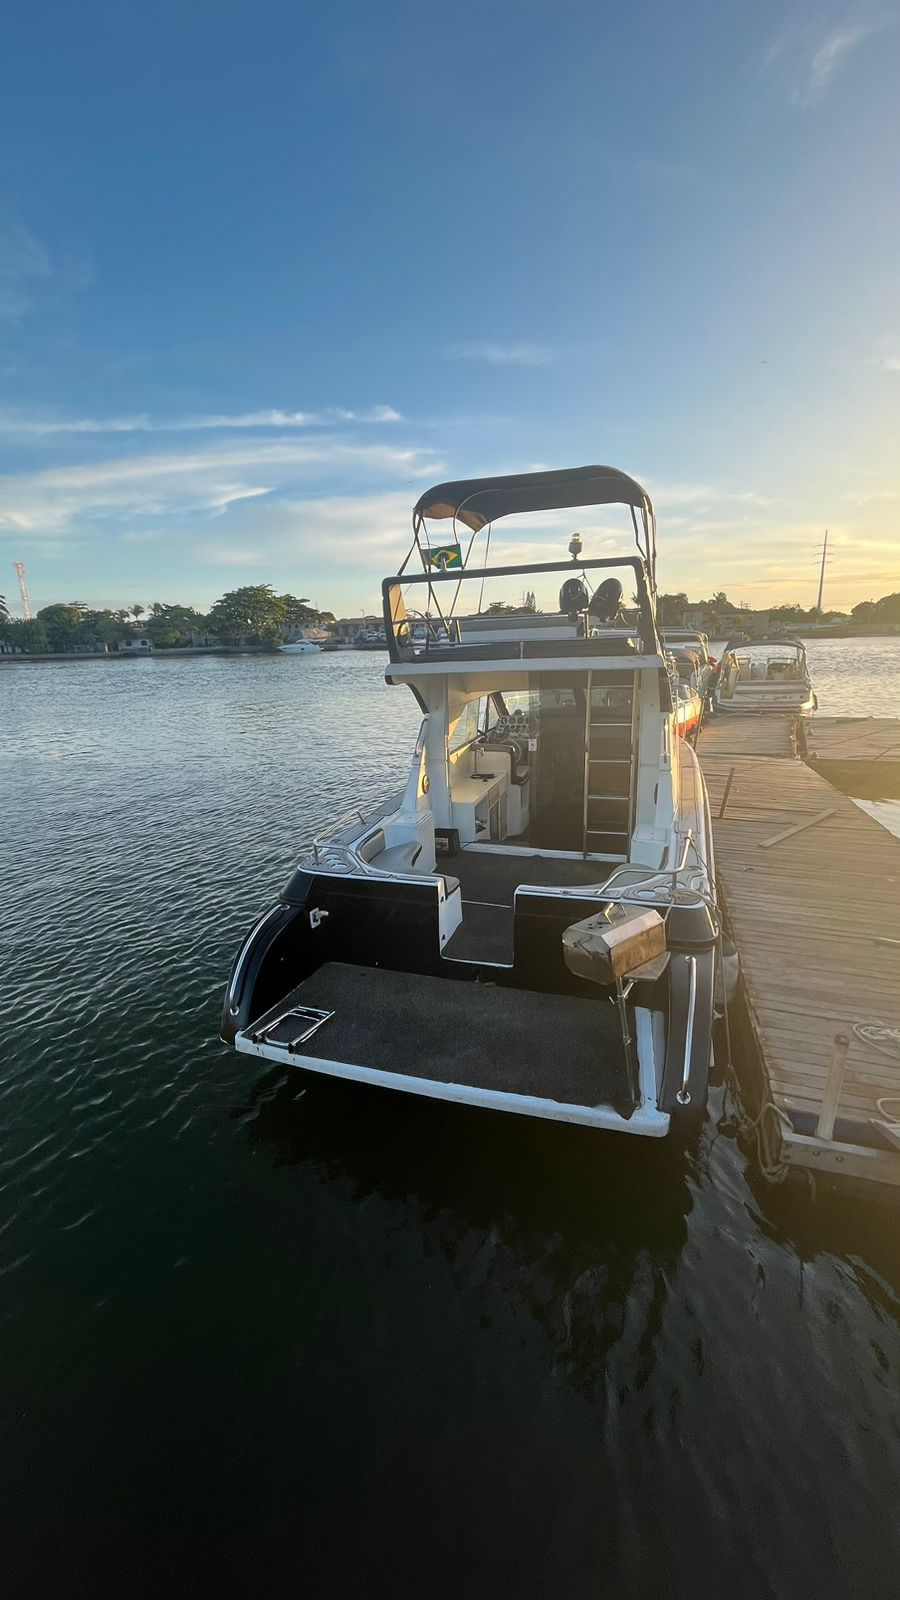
(810, 887)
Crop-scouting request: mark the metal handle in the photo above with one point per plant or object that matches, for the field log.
(684, 1094)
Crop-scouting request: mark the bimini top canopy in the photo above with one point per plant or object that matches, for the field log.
(478, 501)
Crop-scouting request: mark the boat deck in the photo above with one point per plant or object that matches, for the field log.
(452, 1031)
(811, 889)
(488, 882)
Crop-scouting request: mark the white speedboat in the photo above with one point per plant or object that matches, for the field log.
(686, 672)
(301, 647)
(529, 924)
(765, 675)
(693, 639)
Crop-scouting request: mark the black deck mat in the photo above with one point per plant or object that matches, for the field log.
(484, 935)
(453, 1031)
(493, 878)
(488, 882)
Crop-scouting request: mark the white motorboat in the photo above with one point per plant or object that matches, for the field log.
(686, 672)
(529, 924)
(765, 675)
(301, 647)
(693, 639)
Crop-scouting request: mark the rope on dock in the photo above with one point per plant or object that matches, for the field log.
(773, 1170)
(753, 1128)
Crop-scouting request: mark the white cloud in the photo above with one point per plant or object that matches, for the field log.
(215, 422)
(814, 62)
(373, 414)
(812, 58)
(368, 532)
(503, 355)
(892, 363)
(699, 495)
(209, 480)
(829, 55)
(231, 493)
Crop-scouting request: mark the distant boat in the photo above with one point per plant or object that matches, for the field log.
(765, 675)
(301, 647)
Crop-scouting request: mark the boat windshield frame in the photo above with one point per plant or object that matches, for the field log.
(782, 641)
(395, 615)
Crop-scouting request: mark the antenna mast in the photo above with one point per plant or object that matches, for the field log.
(822, 573)
(23, 590)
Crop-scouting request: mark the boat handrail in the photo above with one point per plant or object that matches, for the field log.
(329, 834)
(395, 614)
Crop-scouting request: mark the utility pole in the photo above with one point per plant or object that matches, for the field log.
(23, 590)
(822, 573)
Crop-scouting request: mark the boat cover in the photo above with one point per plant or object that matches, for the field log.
(477, 501)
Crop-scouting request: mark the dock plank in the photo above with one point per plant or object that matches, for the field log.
(853, 738)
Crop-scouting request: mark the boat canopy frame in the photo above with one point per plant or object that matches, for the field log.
(395, 614)
(479, 502)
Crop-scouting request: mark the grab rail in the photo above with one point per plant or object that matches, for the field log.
(683, 1095)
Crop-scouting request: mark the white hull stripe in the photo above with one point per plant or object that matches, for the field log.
(646, 1121)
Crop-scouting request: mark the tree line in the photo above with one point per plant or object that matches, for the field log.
(672, 609)
(254, 614)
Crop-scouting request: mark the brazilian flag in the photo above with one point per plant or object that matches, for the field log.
(444, 557)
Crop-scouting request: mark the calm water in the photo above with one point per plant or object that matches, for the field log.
(280, 1339)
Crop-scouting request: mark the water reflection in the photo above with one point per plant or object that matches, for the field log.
(568, 1226)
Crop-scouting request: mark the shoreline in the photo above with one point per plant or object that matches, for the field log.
(182, 651)
(179, 651)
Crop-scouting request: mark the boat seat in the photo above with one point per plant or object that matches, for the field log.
(371, 847)
(399, 858)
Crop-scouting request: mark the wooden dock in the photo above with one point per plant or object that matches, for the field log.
(810, 885)
(857, 753)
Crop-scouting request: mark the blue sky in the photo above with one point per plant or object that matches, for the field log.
(268, 270)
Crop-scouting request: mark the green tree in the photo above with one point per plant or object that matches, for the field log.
(300, 613)
(29, 637)
(253, 614)
(671, 609)
(62, 624)
(99, 628)
(169, 626)
(780, 615)
(138, 610)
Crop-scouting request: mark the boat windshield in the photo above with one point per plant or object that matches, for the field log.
(769, 660)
